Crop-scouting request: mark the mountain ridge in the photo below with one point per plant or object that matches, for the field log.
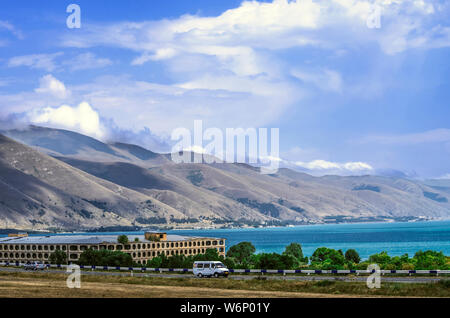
(116, 184)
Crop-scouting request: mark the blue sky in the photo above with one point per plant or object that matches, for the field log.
(348, 99)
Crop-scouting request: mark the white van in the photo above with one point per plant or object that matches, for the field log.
(208, 269)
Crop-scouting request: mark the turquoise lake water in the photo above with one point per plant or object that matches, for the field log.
(366, 238)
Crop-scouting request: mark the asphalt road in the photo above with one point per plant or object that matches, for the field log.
(403, 279)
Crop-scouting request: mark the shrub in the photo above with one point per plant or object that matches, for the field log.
(241, 252)
(352, 256)
(122, 239)
(327, 258)
(105, 258)
(58, 257)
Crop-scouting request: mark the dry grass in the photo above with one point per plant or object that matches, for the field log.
(54, 285)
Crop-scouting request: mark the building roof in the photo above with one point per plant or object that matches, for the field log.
(87, 239)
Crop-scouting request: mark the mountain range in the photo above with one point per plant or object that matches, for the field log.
(53, 179)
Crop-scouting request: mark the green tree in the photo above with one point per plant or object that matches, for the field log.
(327, 258)
(241, 252)
(294, 249)
(122, 239)
(105, 258)
(58, 257)
(352, 256)
(382, 259)
(429, 260)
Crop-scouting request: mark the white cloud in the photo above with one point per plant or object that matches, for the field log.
(160, 54)
(277, 25)
(11, 28)
(50, 63)
(87, 61)
(196, 149)
(327, 80)
(328, 165)
(37, 61)
(82, 118)
(50, 85)
(232, 62)
(431, 136)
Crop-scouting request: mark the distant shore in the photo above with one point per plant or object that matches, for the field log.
(199, 228)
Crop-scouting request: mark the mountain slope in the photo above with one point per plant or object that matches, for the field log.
(69, 195)
(122, 184)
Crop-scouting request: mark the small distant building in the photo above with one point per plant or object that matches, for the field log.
(17, 234)
(141, 247)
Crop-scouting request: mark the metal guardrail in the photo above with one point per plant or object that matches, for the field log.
(259, 271)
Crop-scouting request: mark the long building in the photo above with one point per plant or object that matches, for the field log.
(23, 248)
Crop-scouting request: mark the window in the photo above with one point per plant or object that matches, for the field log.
(200, 265)
(221, 242)
(73, 256)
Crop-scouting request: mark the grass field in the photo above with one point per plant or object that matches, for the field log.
(54, 286)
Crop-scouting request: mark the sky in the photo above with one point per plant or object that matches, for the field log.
(350, 94)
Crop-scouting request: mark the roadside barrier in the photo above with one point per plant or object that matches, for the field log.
(255, 271)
